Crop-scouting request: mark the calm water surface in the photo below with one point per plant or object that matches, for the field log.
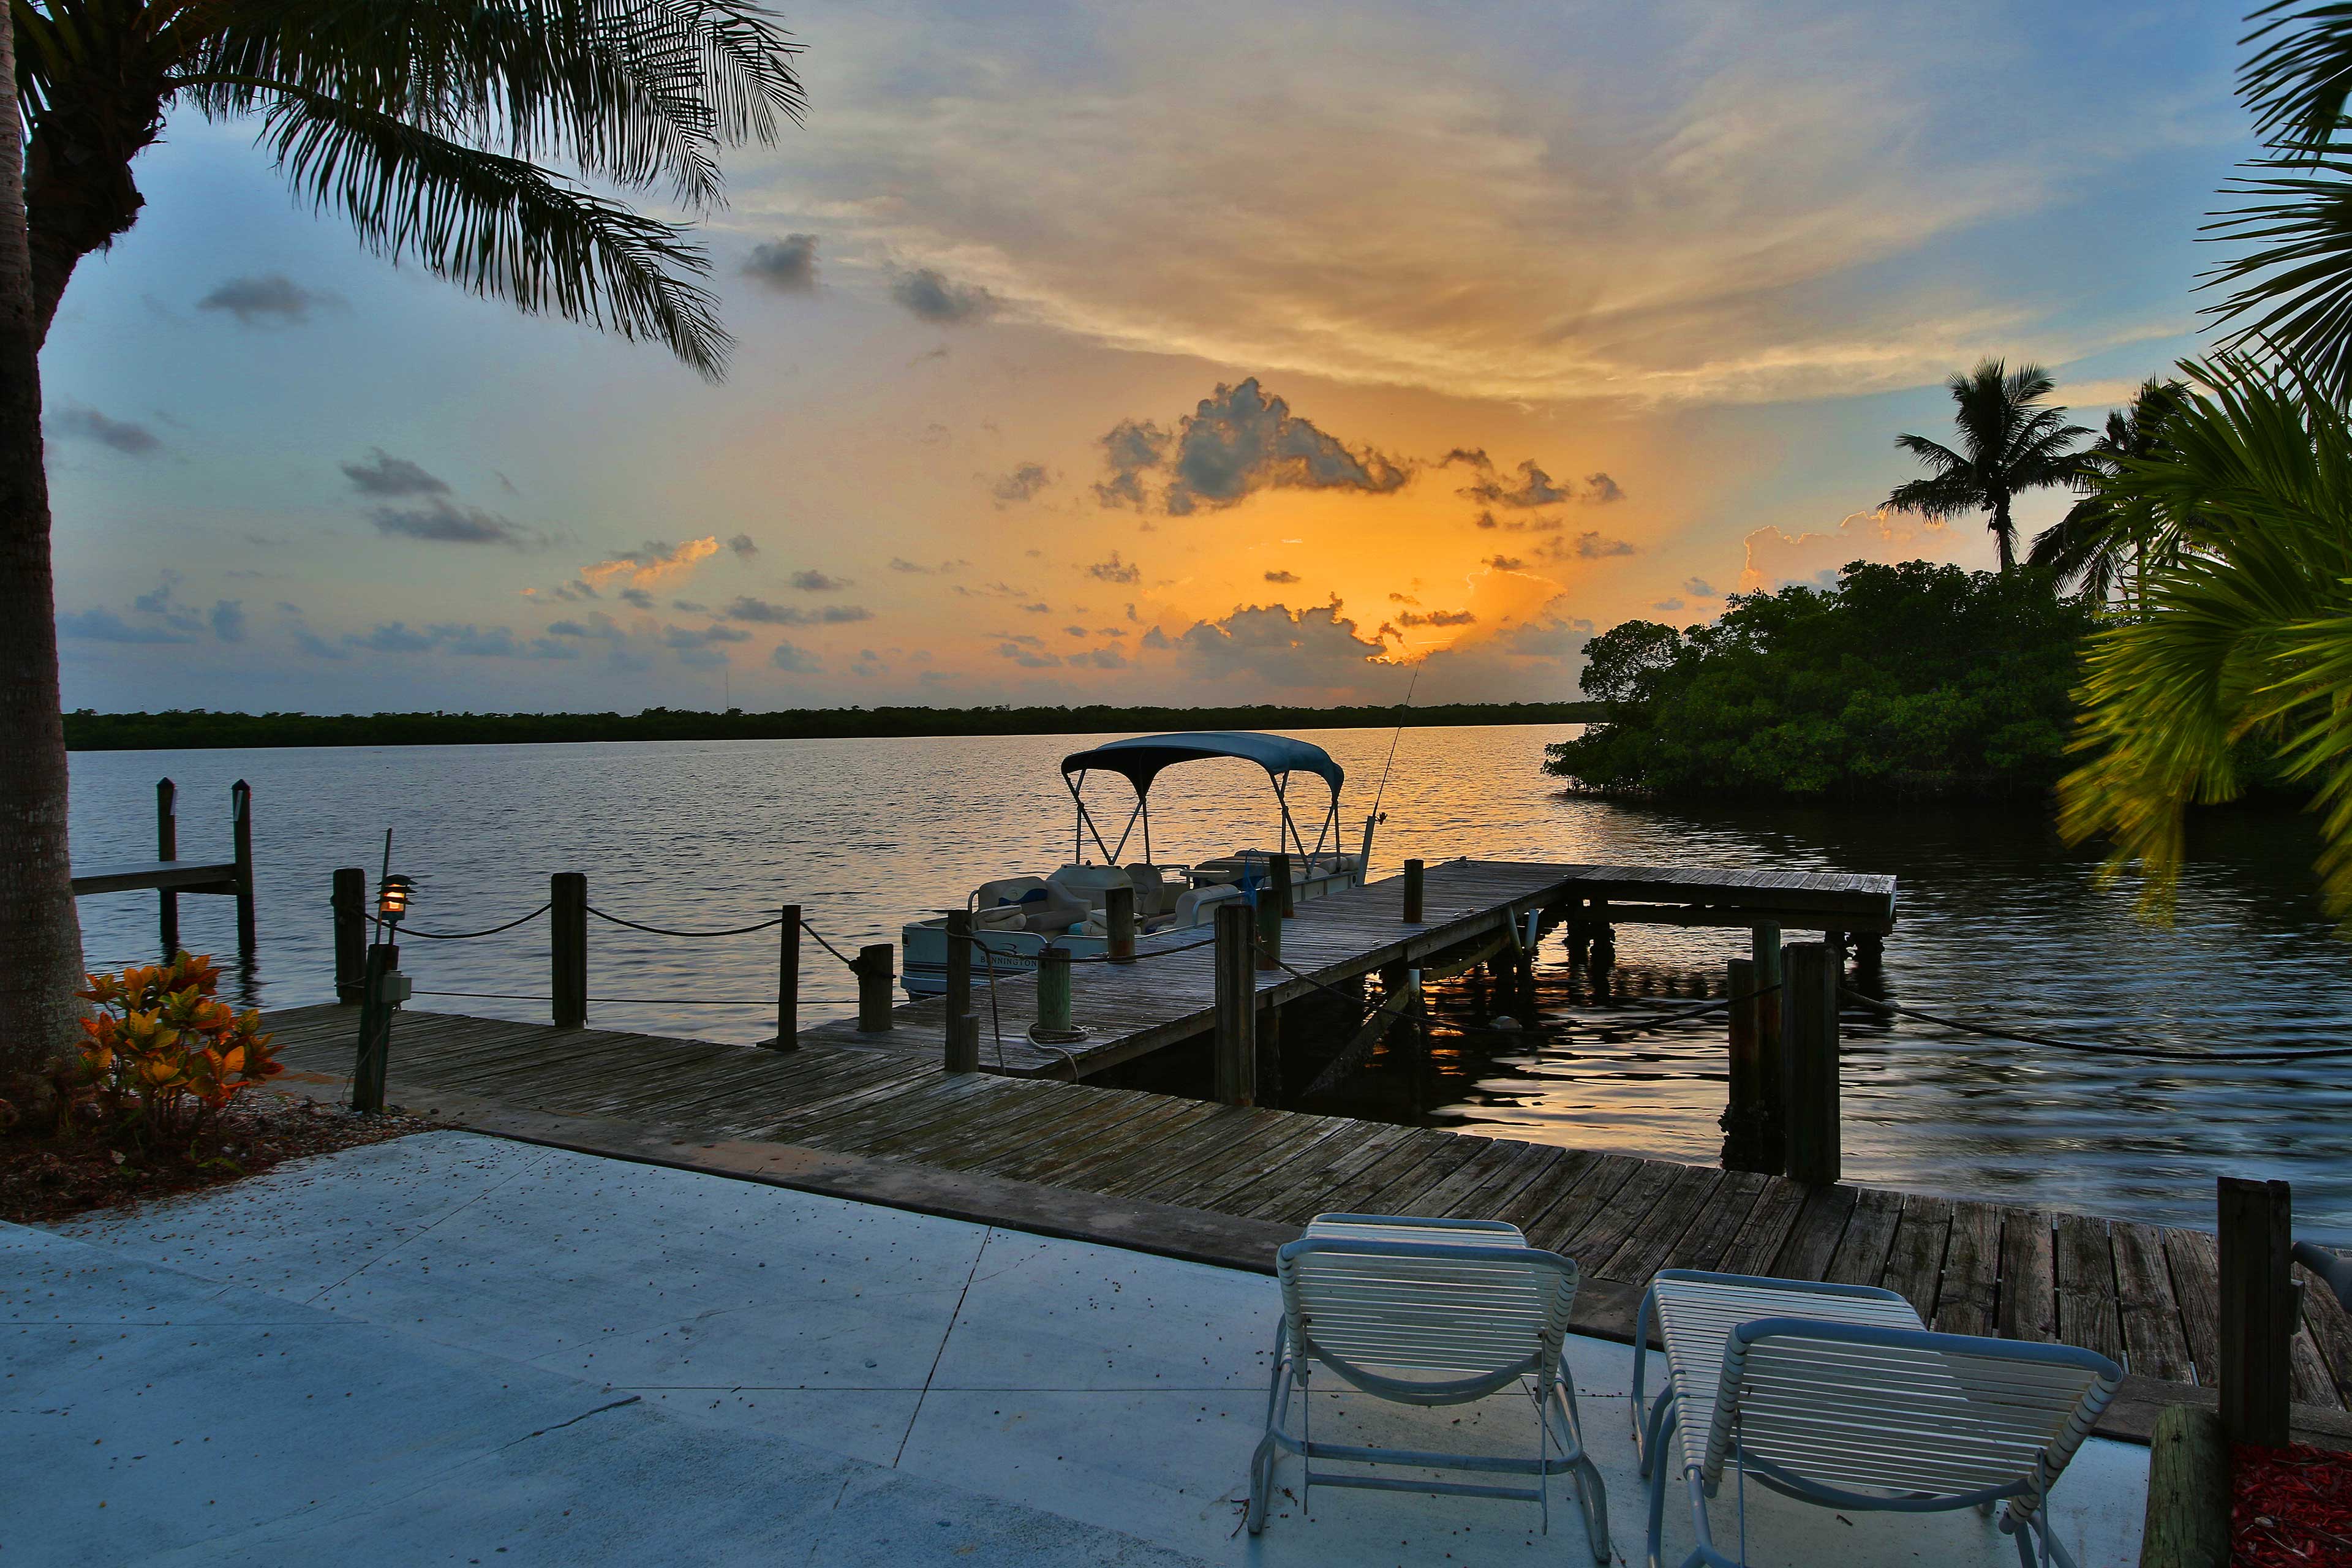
(1999, 923)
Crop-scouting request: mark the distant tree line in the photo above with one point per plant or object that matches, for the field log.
(179, 729)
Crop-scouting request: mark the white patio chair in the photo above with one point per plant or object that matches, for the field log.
(1427, 1313)
(1837, 1395)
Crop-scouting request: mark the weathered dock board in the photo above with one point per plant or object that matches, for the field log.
(2143, 1295)
(1131, 1010)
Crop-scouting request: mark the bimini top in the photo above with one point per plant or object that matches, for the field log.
(1141, 759)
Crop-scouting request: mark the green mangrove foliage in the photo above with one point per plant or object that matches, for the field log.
(1900, 681)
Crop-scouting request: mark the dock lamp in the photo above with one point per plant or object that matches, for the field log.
(382, 989)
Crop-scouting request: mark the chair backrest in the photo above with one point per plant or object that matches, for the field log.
(1864, 1414)
(1007, 891)
(1426, 1323)
(1198, 907)
(1150, 889)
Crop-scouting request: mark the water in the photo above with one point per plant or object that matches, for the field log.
(1998, 921)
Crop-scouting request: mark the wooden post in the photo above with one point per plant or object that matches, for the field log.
(350, 904)
(1269, 916)
(875, 964)
(1772, 1070)
(167, 848)
(1744, 1101)
(1119, 914)
(963, 1041)
(788, 981)
(1869, 949)
(1414, 878)
(1809, 1046)
(567, 926)
(963, 1044)
(2187, 1524)
(240, 802)
(1604, 937)
(381, 989)
(1284, 899)
(1236, 1039)
(1054, 1024)
(2258, 1309)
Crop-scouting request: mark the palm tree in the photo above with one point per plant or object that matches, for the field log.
(2103, 539)
(2247, 636)
(2010, 441)
(425, 124)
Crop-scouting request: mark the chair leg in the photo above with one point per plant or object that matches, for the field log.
(1645, 1450)
(1269, 1453)
(1591, 1492)
(1658, 1484)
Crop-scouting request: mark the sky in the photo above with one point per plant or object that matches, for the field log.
(1173, 353)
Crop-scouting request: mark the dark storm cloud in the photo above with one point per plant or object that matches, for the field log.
(1239, 440)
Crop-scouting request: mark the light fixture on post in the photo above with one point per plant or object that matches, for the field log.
(383, 987)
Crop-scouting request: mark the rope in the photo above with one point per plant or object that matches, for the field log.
(2158, 1053)
(470, 935)
(484, 996)
(850, 963)
(661, 931)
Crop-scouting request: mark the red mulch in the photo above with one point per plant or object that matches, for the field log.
(44, 1177)
(2291, 1507)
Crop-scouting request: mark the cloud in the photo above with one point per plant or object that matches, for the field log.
(228, 620)
(1668, 605)
(1272, 645)
(118, 435)
(816, 581)
(786, 266)
(1601, 490)
(744, 546)
(105, 626)
(900, 563)
(687, 640)
(443, 521)
(1238, 441)
(1535, 488)
(495, 642)
(932, 297)
(1700, 586)
(1505, 562)
(650, 565)
(1115, 570)
(1027, 656)
(1022, 484)
(394, 637)
(797, 660)
(760, 613)
(1436, 618)
(1282, 578)
(1586, 546)
(381, 474)
(274, 300)
(1776, 558)
(1039, 609)
(642, 598)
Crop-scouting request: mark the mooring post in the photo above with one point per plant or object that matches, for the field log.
(1237, 1039)
(1809, 1046)
(1284, 898)
(1772, 1069)
(1055, 1024)
(1414, 880)
(240, 802)
(963, 1041)
(788, 979)
(1743, 1103)
(567, 929)
(1869, 949)
(1118, 915)
(2259, 1309)
(1268, 917)
(350, 905)
(875, 964)
(167, 848)
(382, 989)
(1604, 937)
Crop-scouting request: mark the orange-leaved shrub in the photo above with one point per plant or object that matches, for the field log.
(162, 1054)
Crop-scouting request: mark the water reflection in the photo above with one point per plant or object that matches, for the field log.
(1997, 921)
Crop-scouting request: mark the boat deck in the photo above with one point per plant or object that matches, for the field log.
(1129, 1010)
(2144, 1295)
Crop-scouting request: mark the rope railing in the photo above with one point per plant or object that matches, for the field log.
(769, 924)
(470, 935)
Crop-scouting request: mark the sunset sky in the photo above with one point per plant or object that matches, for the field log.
(1122, 353)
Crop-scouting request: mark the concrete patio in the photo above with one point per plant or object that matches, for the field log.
(450, 1348)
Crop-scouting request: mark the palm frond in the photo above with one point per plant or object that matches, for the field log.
(496, 224)
(2298, 82)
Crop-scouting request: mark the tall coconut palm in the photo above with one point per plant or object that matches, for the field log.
(2106, 538)
(2009, 442)
(425, 124)
(2247, 637)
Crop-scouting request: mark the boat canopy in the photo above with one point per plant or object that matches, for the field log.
(1141, 760)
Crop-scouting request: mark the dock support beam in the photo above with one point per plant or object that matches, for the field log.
(2259, 1309)
(1772, 1146)
(1268, 918)
(1414, 877)
(1278, 869)
(1118, 916)
(875, 964)
(1236, 1037)
(567, 929)
(167, 848)
(1743, 1112)
(350, 905)
(1809, 1044)
(788, 979)
(240, 802)
(963, 1029)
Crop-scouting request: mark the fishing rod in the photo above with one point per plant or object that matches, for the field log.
(1380, 794)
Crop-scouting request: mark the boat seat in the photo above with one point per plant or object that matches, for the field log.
(1007, 891)
(1090, 885)
(1153, 895)
(1055, 911)
(1199, 906)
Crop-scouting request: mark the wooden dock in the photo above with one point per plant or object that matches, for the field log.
(2143, 1295)
(1130, 1010)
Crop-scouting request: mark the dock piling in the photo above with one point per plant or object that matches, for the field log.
(1269, 916)
(1055, 1024)
(1236, 1008)
(1743, 1110)
(2259, 1309)
(1119, 914)
(788, 979)
(1284, 899)
(1772, 1077)
(875, 964)
(348, 902)
(240, 799)
(1809, 1045)
(167, 848)
(382, 989)
(1415, 874)
(567, 927)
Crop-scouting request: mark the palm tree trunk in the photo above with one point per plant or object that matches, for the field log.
(2004, 531)
(40, 937)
